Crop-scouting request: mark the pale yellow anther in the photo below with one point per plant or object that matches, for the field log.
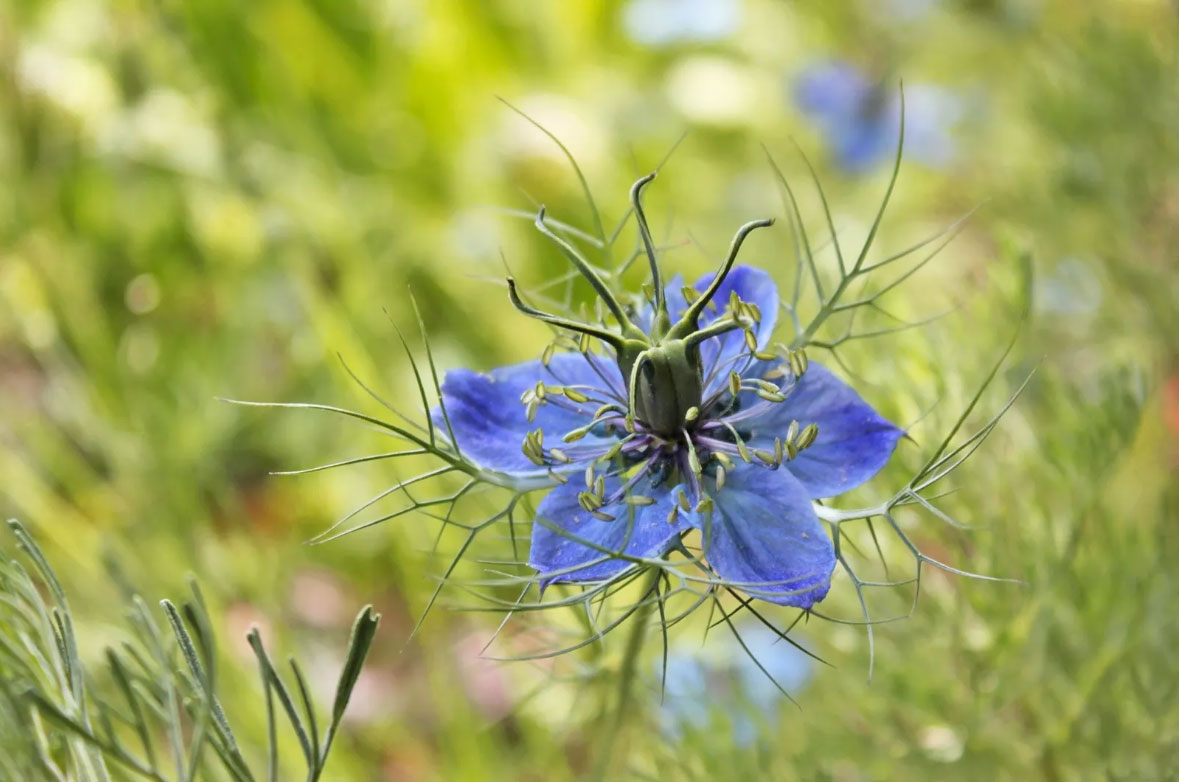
(604, 409)
(799, 362)
(765, 456)
(807, 436)
(734, 383)
(743, 451)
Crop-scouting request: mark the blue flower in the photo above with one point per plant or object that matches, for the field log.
(687, 421)
(860, 117)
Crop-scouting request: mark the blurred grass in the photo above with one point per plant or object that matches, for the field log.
(205, 200)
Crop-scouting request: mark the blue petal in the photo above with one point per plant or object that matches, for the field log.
(862, 146)
(832, 92)
(638, 531)
(765, 538)
(754, 286)
(751, 284)
(854, 441)
(490, 422)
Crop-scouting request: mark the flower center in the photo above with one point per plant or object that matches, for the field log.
(660, 427)
(668, 385)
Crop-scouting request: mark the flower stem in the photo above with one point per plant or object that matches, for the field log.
(615, 721)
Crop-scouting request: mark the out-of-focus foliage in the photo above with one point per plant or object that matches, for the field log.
(205, 199)
(155, 710)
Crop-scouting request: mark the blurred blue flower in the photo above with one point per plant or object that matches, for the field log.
(687, 423)
(722, 680)
(667, 22)
(860, 117)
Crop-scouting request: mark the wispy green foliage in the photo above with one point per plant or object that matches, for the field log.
(154, 713)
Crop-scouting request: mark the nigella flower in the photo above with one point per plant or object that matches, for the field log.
(688, 421)
(860, 117)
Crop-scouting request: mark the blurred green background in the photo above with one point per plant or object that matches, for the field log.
(208, 198)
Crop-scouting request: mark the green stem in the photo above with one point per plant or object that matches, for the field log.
(626, 674)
